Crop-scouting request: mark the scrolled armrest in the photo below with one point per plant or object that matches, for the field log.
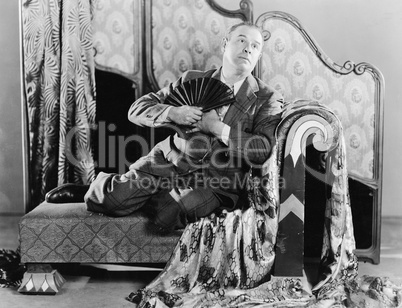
(300, 119)
(304, 118)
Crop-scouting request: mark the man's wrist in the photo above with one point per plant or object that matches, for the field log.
(170, 113)
(163, 117)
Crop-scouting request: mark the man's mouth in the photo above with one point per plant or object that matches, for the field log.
(245, 58)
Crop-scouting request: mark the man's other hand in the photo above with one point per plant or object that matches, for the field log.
(209, 124)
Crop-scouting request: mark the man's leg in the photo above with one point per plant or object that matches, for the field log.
(172, 209)
(120, 195)
(196, 202)
(165, 212)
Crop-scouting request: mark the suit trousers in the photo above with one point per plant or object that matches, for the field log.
(157, 186)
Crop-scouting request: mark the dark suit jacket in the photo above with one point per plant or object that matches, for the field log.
(252, 118)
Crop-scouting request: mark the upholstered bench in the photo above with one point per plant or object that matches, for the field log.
(68, 233)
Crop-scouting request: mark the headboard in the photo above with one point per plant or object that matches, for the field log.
(295, 65)
(154, 42)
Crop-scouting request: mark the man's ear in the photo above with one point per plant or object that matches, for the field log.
(223, 43)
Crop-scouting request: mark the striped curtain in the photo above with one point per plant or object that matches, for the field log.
(59, 75)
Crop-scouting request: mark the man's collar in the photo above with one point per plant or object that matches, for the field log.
(252, 82)
(236, 85)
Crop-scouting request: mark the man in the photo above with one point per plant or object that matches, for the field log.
(203, 167)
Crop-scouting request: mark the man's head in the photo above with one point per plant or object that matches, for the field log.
(242, 47)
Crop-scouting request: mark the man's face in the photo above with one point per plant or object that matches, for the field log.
(243, 49)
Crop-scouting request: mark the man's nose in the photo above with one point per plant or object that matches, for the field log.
(247, 49)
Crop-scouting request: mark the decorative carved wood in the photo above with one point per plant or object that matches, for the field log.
(245, 12)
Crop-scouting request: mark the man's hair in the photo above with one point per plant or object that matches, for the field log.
(247, 24)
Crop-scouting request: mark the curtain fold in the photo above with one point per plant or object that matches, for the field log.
(59, 76)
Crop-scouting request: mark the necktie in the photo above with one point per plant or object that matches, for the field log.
(222, 110)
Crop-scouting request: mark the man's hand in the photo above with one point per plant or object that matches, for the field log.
(209, 124)
(185, 115)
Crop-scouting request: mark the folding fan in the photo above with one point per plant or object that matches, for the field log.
(205, 92)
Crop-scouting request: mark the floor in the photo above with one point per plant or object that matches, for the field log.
(107, 286)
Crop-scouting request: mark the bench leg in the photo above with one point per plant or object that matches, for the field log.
(41, 279)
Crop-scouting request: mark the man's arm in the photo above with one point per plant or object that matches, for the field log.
(255, 145)
(150, 110)
(146, 110)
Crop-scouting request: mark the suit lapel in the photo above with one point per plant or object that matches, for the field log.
(245, 97)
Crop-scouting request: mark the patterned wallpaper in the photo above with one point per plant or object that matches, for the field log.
(186, 35)
(117, 35)
(290, 65)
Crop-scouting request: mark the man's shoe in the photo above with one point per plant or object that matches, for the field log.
(67, 193)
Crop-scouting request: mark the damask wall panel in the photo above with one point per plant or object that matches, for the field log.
(117, 27)
(291, 66)
(185, 35)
